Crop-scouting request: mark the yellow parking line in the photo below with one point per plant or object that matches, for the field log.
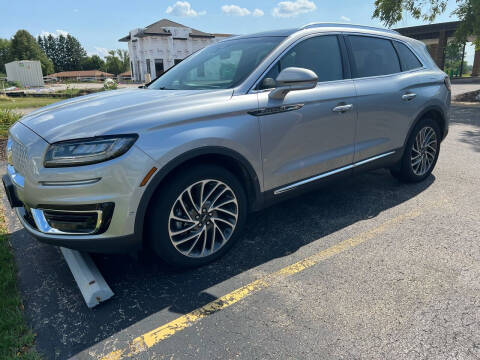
(153, 337)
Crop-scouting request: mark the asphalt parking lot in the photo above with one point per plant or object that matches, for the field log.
(391, 272)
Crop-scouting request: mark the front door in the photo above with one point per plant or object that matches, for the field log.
(309, 132)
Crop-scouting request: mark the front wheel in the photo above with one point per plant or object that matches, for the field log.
(421, 152)
(197, 216)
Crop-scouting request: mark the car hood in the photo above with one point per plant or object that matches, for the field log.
(118, 112)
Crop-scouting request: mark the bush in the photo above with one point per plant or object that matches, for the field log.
(7, 118)
(110, 84)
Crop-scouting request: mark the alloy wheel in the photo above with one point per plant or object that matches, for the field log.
(203, 218)
(424, 151)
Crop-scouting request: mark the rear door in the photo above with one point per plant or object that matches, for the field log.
(307, 133)
(387, 101)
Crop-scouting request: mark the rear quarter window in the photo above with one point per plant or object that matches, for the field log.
(408, 59)
(373, 56)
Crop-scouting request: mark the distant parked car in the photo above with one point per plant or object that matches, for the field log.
(50, 79)
(239, 125)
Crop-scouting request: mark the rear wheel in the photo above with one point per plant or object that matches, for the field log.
(421, 152)
(197, 216)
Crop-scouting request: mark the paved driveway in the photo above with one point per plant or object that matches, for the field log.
(392, 272)
(458, 89)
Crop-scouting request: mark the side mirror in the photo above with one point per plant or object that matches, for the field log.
(293, 78)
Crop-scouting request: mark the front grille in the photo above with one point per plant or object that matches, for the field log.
(19, 157)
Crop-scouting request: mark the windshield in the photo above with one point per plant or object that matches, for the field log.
(220, 66)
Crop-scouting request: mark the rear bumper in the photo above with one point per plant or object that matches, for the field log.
(92, 243)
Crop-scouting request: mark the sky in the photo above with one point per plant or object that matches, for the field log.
(98, 24)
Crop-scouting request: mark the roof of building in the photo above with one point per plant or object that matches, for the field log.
(23, 61)
(158, 29)
(430, 31)
(81, 73)
(126, 73)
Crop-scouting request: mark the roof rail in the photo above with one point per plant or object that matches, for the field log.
(351, 26)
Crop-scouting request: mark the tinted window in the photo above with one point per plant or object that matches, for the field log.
(320, 54)
(222, 65)
(373, 56)
(408, 59)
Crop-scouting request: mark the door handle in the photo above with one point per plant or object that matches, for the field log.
(342, 108)
(409, 96)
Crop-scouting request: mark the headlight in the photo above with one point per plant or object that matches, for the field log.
(87, 151)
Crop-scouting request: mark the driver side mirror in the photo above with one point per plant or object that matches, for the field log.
(293, 78)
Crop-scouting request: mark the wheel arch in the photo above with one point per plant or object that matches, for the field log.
(227, 158)
(433, 112)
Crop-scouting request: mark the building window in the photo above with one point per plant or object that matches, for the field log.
(148, 67)
(131, 69)
(139, 75)
(159, 69)
(177, 61)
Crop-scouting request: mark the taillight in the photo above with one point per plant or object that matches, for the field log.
(448, 84)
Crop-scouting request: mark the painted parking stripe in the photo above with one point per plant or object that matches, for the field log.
(155, 336)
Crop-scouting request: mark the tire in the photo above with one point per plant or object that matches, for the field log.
(421, 153)
(184, 235)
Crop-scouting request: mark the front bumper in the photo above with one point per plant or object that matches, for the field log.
(61, 196)
(90, 243)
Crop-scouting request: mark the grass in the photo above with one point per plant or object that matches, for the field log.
(16, 339)
(7, 118)
(25, 102)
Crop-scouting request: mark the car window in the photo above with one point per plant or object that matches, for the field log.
(320, 54)
(223, 65)
(373, 56)
(407, 58)
(220, 69)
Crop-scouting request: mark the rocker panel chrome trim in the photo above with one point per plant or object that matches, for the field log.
(329, 173)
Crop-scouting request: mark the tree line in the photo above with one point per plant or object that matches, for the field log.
(59, 53)
(390, 12)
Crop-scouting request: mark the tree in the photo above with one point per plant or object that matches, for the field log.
(93, 62)
(124, 58)
(113, 64)
(117, 61)
(453, 57)
(5, 54)
(24, 47)
(469, 14)
(75, 53)
(49, 46)
(391, 12)
(66, 52)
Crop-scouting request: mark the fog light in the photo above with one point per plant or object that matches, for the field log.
(81, 220)
(73, 222)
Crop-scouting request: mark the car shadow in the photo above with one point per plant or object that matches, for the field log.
(144, 286)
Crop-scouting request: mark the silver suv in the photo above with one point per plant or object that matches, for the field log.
(243, 123)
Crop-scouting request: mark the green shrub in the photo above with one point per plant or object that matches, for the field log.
(7, 119)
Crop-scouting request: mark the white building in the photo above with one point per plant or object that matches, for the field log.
(161, 45)
(26, 72)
